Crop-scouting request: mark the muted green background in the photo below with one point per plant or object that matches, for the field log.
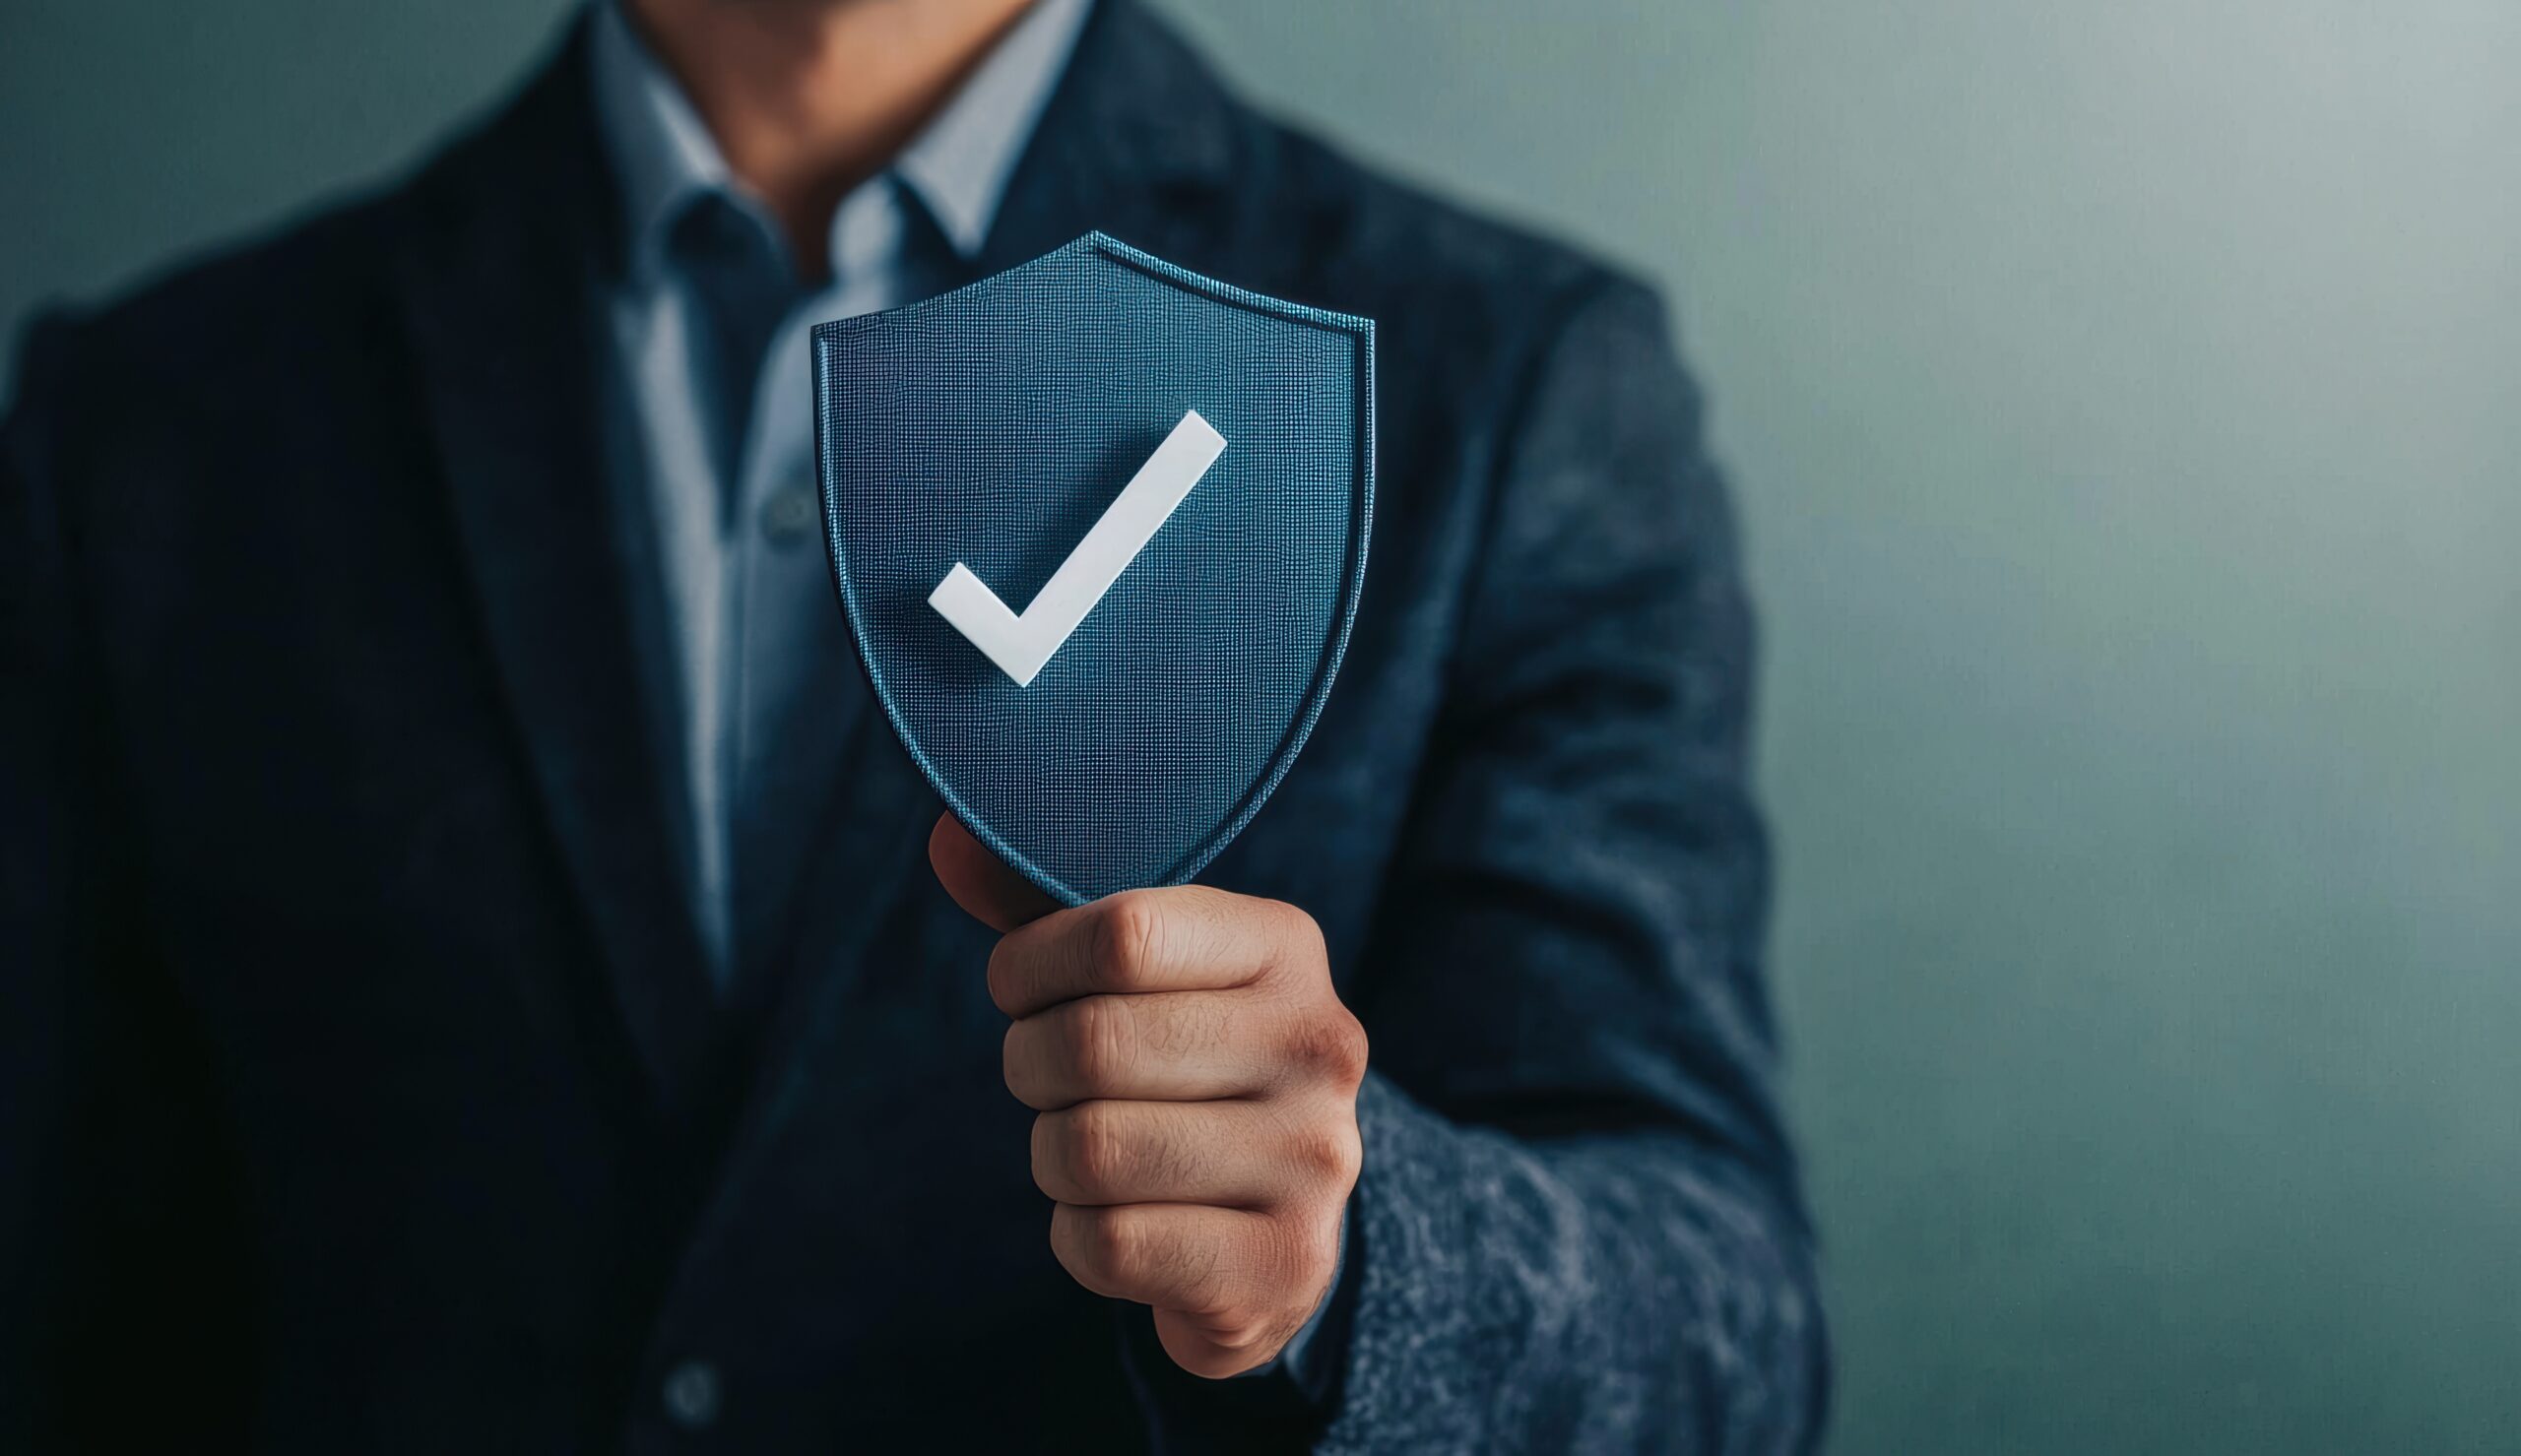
(2125, 404)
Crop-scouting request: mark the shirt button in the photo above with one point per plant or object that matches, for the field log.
(793, 517)
(692, 1394)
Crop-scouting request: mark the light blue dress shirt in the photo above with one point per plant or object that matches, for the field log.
(748, 597)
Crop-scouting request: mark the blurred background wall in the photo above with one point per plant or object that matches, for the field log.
(2125, 401)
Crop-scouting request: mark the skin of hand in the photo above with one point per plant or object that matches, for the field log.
(1195, 1077)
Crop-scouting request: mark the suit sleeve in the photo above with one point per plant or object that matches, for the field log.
(119, 1325)
(1577, 1226)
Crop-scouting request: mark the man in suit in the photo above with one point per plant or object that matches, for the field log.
(476, 976)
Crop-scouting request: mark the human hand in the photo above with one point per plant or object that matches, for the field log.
(1197, 1080)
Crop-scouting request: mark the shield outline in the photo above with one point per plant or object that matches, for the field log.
(1352, 576)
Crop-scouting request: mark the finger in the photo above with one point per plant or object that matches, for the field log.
(1219, 1265)
(1189, 938)
(1219, 1349)
(1224, 1154)
(980, 882)
(1166, 1046)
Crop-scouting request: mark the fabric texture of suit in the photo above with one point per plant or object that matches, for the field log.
(361, 1086)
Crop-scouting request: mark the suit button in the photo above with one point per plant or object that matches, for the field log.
(793, 517)
(692, 1394)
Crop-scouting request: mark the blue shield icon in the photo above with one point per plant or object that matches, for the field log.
(1099, 526)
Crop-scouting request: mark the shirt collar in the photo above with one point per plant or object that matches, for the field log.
(958, 165)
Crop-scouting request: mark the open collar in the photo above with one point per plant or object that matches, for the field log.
(958, 166)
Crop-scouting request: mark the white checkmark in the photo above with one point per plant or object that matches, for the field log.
(1022, 644)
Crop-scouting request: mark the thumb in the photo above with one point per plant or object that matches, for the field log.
(980, 882)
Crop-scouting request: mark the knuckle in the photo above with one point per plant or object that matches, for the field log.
(1332, 1046)
(1113, 1241)
(1097, 1151)
(1349, 1059)
(1328, 1154)
(1102, 1041)
(1125, 931)
(1301, 950)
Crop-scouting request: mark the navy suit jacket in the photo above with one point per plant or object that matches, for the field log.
(360, 1088)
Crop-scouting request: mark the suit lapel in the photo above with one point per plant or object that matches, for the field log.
(500, 278)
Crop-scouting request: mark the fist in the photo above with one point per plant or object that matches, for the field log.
(1195, 1077)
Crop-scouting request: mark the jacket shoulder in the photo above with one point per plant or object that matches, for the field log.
(1433, 268)
(285, 304)
(219, 320)
(1472, 313)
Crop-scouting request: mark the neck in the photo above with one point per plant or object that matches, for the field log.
(807, 99)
